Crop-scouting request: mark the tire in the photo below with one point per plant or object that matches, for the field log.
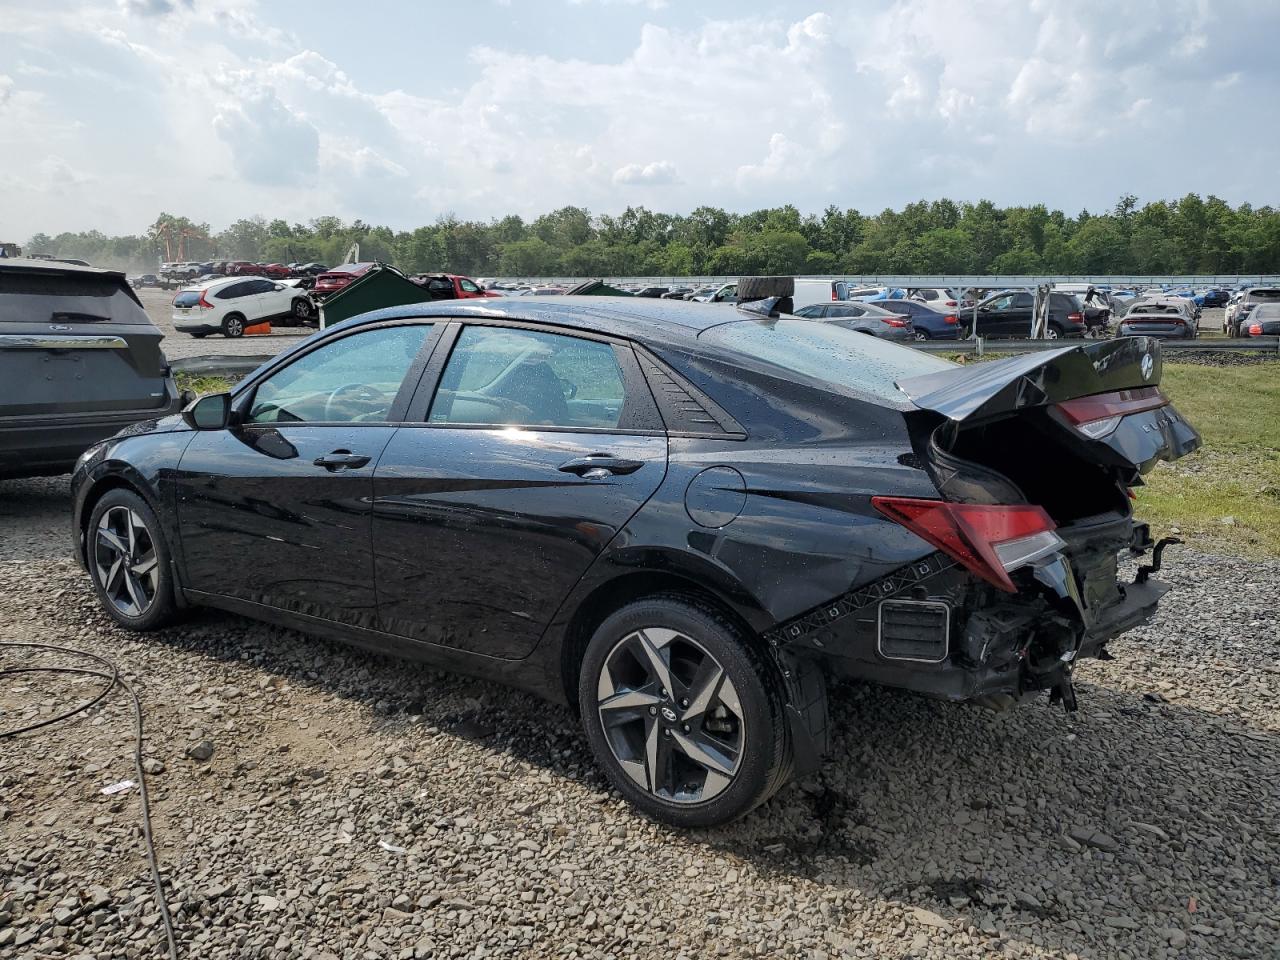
(301, 312)
(138, 595)
(745, 741)
(233, 326)
(1054, 332)
(762, 288)
(920, 335)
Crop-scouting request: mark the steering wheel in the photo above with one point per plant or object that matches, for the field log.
(366, 394)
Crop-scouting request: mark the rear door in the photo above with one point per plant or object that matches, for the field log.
(77, 343)
(535, 450)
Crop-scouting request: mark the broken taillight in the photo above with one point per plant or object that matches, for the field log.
(1096, 416)
(989, 540)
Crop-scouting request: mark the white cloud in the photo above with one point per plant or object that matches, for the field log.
(270, 144)
(660, 171)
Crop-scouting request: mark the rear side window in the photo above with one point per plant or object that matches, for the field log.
(235, 290)
(827, 353)
(497, 375)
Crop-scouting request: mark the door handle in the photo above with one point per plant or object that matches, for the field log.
(597, 465)
(341, 460)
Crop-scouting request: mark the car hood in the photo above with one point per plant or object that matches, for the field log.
(174, 423)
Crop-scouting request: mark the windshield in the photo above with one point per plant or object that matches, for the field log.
(828, 352)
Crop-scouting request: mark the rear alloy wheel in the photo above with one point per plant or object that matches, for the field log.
(128, 561)
(233, 325)
(680, 715)
(921, 335)
(1053, 333)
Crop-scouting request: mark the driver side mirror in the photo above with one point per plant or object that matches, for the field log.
(209, 413)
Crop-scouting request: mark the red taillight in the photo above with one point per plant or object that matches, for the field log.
(1255, 329)
(989, 540)
(951, 303)
(950, 318)
(1098, 415)
(833, 294)
(893, 322)
(1076, 317)
(204, 304)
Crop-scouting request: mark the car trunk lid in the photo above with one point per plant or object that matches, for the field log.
(78, 341)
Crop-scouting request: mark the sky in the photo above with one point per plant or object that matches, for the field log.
(401, 112)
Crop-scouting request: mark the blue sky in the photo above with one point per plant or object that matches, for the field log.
(399, 112)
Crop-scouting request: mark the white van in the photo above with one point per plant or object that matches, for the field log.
(819, 291)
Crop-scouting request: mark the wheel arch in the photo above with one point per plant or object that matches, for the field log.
(123, 478)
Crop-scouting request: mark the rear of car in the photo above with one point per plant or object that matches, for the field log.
(1253, 297)
(88, 360)
(1264, 321)
(929, 322)
(1159, 320)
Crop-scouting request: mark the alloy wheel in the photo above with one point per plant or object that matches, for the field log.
(671, 715)
(125, 559)
(235, 326)
(301, 310)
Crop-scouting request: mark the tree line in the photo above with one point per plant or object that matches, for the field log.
(1190, 235)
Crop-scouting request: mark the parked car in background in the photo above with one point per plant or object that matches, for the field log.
(935, 297)
(928, 322)
(725, 293)
(1008, 314)
(451, 286)
(701, 294)
(276, 271)
(1238, 312)
(654, 293)
(1216, 297)
(81, 360)
(145, 280)
(809, 291)
(1165, 317)
(229, 304)
(335, 278)
(595, 512)
(1263, 321)
(312, 269)
(677, 293)
(861, 317)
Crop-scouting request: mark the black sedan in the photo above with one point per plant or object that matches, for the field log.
(682, 519)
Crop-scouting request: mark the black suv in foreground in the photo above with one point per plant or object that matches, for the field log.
(79, 359)
(679, 518)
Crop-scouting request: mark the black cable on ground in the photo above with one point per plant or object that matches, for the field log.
(113, 679)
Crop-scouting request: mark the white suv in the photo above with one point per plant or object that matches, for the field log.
(229, 304)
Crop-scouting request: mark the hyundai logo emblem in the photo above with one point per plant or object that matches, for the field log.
(1148, 366)
(668, 715)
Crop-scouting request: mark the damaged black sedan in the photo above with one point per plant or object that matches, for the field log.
(683, 520)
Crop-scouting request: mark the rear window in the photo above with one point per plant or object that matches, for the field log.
(827, 352)
(1263, 296)
(51, 296)
(187, 298)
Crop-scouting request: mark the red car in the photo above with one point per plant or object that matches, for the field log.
(338, 277)
(277, 271)
(450, 286)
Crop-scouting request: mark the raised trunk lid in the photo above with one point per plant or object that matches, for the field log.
(1035, 383)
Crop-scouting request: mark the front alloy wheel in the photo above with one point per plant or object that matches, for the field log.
(671, 716)
(684, 714)
(128, 561)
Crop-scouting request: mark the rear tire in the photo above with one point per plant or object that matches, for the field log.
(128, 560)
(233, 326)
(696, 734)
(921, 335)
(1054, 332)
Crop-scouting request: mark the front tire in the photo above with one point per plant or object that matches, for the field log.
(684, 718)
(301, 310)
(128, 562)
(233, 326)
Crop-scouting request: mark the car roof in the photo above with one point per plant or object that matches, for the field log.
(653, 321)
(25, 264)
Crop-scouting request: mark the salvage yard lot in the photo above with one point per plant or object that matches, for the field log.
(355, 806)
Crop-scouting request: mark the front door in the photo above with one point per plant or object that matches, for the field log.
(538, 448)
(276, 510)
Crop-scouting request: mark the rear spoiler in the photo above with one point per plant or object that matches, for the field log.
(982, 390)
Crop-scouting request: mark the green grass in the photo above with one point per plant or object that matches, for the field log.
(1227, 494)
(203, 385)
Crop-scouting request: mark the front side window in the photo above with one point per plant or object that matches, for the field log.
(468, 286)
(498, 375)
(1002, 303)
(811, 312)
(350, 380)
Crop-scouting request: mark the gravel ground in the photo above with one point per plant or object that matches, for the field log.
(353, 806)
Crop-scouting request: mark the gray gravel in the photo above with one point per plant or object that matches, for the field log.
(312, 801)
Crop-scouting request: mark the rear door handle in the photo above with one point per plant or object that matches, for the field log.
(597, 465)
(341, 460)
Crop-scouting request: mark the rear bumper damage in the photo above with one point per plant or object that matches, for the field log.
(935, 629)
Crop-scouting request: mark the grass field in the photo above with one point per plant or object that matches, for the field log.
(1227, 494)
